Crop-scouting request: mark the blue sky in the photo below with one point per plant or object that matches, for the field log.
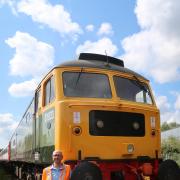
(35, 35)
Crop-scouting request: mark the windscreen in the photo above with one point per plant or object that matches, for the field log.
(83, 84)
(132, 90)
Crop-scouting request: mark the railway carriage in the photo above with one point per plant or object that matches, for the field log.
(101, 115)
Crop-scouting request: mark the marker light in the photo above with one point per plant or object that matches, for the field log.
(77, 130)
(153, 132)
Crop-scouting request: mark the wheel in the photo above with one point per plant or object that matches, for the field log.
(169, 170)
(86, 171)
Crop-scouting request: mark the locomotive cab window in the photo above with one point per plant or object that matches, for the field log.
(132, 90)
(37, 100)
(49, 91)
(83, 84)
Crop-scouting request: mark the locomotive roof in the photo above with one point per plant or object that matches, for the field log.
(99, 63)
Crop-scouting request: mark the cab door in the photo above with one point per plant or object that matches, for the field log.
(37, 124)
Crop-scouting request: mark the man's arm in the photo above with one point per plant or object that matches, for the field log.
(68, 172)
(44, 174)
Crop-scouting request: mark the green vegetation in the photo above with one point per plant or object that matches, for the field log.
(167, 126)
(171, 146)
(171, 149)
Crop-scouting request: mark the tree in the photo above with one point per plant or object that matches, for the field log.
(167, 126)
(174, 125)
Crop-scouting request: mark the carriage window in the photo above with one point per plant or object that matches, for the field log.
(132, 90)
(82, 84)
(49, 91)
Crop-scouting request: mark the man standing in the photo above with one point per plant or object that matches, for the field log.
(58, 170)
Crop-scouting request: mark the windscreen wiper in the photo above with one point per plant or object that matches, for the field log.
(79, 75)
(140, 84)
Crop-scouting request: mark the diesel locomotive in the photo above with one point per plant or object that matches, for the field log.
(102, 116)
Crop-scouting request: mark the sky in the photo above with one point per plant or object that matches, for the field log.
(36, 35)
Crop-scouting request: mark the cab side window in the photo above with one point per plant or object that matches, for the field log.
(38, 100)
(49, 91)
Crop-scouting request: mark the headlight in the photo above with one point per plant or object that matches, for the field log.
(136, 125)
(100, 124)
(130, 148)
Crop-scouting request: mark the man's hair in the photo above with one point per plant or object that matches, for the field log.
(57, 151)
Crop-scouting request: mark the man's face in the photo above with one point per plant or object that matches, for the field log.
(57, 157)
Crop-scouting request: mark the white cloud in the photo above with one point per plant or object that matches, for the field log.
(105, 29)
(10, 3)
(32, 57)
(161, 15)
(100, 46)
(7, 126)
(168, 112)
(162, 103)
(23, 89)
(171, 116)
(90, 27)
(177, 103)
(3, 1)
(55, 17)
(155, 49)
(6, 118)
